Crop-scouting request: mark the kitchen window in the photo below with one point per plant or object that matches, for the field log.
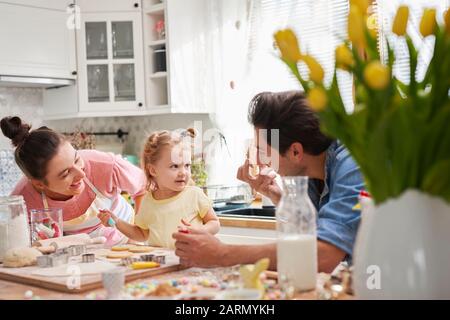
(319, 25)
(386, 10)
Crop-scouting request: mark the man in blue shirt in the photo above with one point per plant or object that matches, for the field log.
(300, 149)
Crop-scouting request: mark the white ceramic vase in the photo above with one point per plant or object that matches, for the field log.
(402, 249)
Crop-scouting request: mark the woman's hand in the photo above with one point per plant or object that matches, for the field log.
(105, 216)
(264, 182)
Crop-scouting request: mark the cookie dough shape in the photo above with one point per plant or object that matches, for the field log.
(20, 257)
(119, 255)
(141, 249)
(120, 248)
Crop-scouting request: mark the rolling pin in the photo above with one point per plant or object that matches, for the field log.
(67, 241)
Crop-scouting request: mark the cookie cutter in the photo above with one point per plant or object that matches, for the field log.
(159, 259)
(72, 251)
(147, 257)
(79, 249)
(128, 261)
(88, 258)
(52, 260)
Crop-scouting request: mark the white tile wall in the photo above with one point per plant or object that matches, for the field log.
(28, 104)
(23, 102)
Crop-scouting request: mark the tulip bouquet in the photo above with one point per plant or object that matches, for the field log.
(398, 133)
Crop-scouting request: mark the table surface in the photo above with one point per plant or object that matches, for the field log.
(16, 291)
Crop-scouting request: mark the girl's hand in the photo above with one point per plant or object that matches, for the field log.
(185, 223)
(105, 216)
(186, 226)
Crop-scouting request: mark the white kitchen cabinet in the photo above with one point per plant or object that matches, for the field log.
(179, 88)
(121, 78)
(110, 63)
(35, 40)
(102, 6)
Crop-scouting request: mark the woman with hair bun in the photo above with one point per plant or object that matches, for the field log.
(81, 182)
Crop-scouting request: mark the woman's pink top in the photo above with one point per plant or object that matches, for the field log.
(109, 173)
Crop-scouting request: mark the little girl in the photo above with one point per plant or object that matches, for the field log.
(170, 199)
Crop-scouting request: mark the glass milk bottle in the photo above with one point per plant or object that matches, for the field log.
(297, 239)
(14, 227)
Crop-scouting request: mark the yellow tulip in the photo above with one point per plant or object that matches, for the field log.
(428, 22)
(377, 75)
(400, 21)
(315, 69)
(361, 4)
(288, 45)
(356, 27)
(317, 99)
(447, 20)
(344, 58)
(372, 25)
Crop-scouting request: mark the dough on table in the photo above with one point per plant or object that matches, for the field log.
(121, 248)
(141, 249)
(119, 255)
(20, 257)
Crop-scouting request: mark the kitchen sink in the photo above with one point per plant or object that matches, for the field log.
(260, 213)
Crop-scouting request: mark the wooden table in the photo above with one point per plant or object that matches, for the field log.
(16, 291)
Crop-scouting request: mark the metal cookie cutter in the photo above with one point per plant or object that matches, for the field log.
(52, 260)
(147, 257)
(88, 257)
(72, 251)
(128, 261)
(79, 249)
(159, 259)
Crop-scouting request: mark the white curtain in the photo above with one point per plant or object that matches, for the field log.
(228, 24)
(320, 26)
(242, 60)
(386, 10)
(245, 62)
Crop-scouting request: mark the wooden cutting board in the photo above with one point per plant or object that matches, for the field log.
(72, 283)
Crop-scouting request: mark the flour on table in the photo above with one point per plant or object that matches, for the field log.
(13, 233)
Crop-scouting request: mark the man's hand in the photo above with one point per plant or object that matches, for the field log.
(197, 247)
(264, 182)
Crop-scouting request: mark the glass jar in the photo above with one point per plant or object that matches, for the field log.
(46, 224)
(14, 227)
(297, 238)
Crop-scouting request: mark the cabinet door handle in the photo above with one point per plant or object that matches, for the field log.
(74, 73)
(136, 5)
(140, 104)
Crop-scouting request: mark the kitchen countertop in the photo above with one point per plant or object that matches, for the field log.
(248, 222)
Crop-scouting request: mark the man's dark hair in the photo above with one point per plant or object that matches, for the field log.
(288, 111)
